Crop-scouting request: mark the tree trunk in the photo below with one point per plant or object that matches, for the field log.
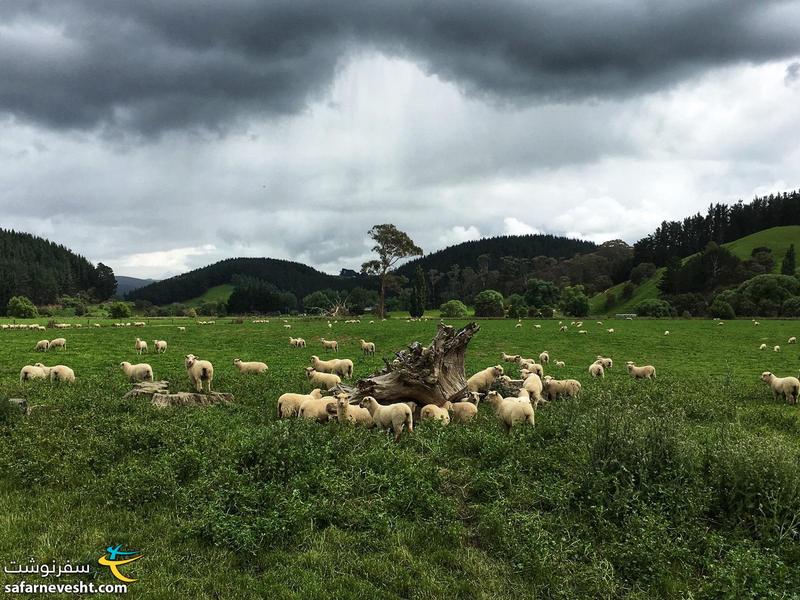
(431, 375)
(382, 299)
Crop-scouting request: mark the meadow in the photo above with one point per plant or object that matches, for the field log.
(686, 486)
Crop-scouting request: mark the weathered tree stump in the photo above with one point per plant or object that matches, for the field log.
(148, 388)
(431, 375)
(158, 392)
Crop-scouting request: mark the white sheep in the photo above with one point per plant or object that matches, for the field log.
(464, 411)
(436, 413)
(330, 344)
(140, 372)
(351, 413)
(199, 371)
(562, 328)
(792, 340)
(544, 357)
(605, 361)
(560, 364)
(610, 330)
(289, 403)
(762, 347)
(367, 347)
(42, 346)
(250, 367)
(512, 358)
(553, 388)
(29, 372)
(316, 409)
(596, 370)
(518, 325)
(666, 332)
(511, 411)
(533, 387)
(776, 349)
(181, 328)
(58, 343)
(756, 323)
(645, 372)
(339, 366)
(482, 380)
(788, 387)
(582, 332)
(140, 346)
(394, 416)
(532, 368)
(326, 380)
(62, 373)
(160, 346)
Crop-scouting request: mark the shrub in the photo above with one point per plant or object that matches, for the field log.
(627, 290)
(516, 306)
(22, 307)
(489, 303)
(721, 309)
(574, 302)
(642, 271)
(653, 307)
(453, 309)
(119, 310)
(791, 307)
(190, 312)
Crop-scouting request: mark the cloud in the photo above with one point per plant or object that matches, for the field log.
(514, 226)
(792, 73)
(161, 263)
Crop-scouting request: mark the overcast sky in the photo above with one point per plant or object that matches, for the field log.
(160, 136)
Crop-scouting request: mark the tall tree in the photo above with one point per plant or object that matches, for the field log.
(105, 284)
(419, 296)
(392, 245)
(788, 265)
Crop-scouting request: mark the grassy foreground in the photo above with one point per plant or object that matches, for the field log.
(687, 486)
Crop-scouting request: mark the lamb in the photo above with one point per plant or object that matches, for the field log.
(330, 344)
(62, 373)
(788, 387)
(181, 328)
(297, 342)
(349, 413)
(606, 362)
(596, 370)
(537, 326)
(776, 349)
(395, 416)
(140, 372)
(553, 388)
(533, 387)
(140, 346)
(512, 358)
(762, 347)
(544, 357)
(326, 380)
(58, 343)
(289, 403)
(463, 412)
(560, 364)
(367, 347)
(160, 346)
(339, 366)
(511, 411)
(29, 372)
(792, 340)
(433, 412)
(250, 367)
(645, 372)
(199, 371)
(532, 368)
(316, 409)
(42, 346)
(482, 380)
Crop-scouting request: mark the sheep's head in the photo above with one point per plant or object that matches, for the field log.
(767, 376)
(367, 402)
(309, 372)
(498, 371)
(124, 364)
(314, 359)
(493, 397)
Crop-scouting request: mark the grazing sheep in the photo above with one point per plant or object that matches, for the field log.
(562, 328)
(316, 409)
(140, 372)
(512, 358)
(250, 367)
(29, 372)
(352, 413)
(776, 349)
(464, 411)
(666, 332)
(645, 372)
(330, 344)
(532, 368)
(326, 380)
(367, 347)
(62, 373)
(582, 332)
(289, 403)
(181, 328)
(762, 347)
(792, 340)
(511, 411)
(297, 342)
(45, 369)
(433, 412)
(721, 323)
(339, 366)
(606, 362)
(560, 364)
(610, 330)
(544, 357)
(533, 387)
(58, 343)
(553, 388)
(394, 416)
(42, 346)
(482, 380)
(160, 346)
(199, 371)
(596, 370)
(788, 387)
(140, 346)
(756, 323)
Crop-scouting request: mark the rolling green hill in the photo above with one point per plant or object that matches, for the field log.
(775, 238)
(218, 293)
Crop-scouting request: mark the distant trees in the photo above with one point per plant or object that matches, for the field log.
(641, 272)
(105, 284)
(252, 295)
(391, 245)
(453, 309)
(540, 293)
(652, 307)
(489, 303)
(119, 310)
(574, 302)
(788, 266)
(516, 307)
(22, 307)
(721, 309)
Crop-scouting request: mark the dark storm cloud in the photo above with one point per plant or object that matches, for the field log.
(151, 66)
(792, 73)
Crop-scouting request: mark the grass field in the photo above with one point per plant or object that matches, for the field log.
(218, 293)
(686, 486)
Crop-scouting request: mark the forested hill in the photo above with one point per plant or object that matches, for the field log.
(283, 274)
(494, 248)
(721, 224)
(43, 270)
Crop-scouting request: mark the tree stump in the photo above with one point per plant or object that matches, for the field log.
(158, 392)
(431, 375)
(148, 388)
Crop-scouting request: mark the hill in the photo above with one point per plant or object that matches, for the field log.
(127, 284)
(218, 293)
(285, 275)
(44, 271)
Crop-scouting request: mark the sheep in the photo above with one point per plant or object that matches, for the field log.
(518, 325)
(482, 380)
(776, 349)
(326, 380)
(582, 332)
(395, 416)
(721, 323)
(553, 388)
(140, 346)
(199, 371)
(29, 372)
(287, 326)
(42, 346)
(666, 332)
(140, 372)
(544, 357)
(295, 342)
(533, 387)
(537, 326)
(511, 411)
(433, 412)
(181, 328)
(350, 413)
(512, 358)
(562, 328)
(160, 346)
(596, 370)
(762, 347)
(610, 330)
(339, 366)
(532, 368)
(792, 340)
(756, 323)
(788, 387)
(250, 367)
(289, 403)
(316, 409)
(606, 362)
(645, 372)
(62, 373)
(463, 412)
(560, 364)
(45, 369)
(330, 344)
(367, 347)
(58, 343)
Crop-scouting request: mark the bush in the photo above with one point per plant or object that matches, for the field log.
(653, 307)
(453, 309)
(516, 306)
(489, 303)
(22, 307)
(574, 302)
(119, 310)
(642, 271)
(80, 310)
(791, 307)
(190, 312)
(627, 290)
(720, 309)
